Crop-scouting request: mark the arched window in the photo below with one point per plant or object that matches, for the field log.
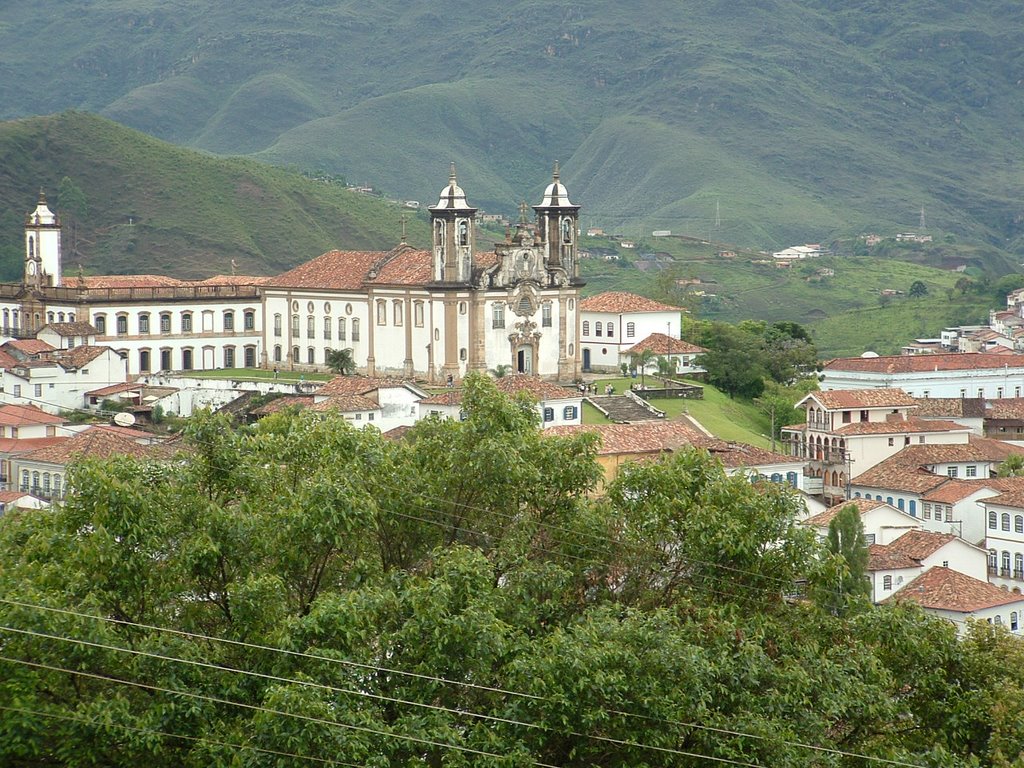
(249, 319)
(122, 324)
(1004, 520)
(776, 477)
(791, 478)
(229, 357)
(597, 329)
(611, 329)
(186, 322)
(328, 326)
(186, 359)
(295, 354)
(993, 560)
(277, 324)
(99, 322)
(49, 317)
(35, 481)
(310, 327)
(355, 329)
(341, 329)
(887, 582)
(569, 412)
(417, 314)
(899, 504)
(1004, 564)
(912, 504)
(46, 483)
(24, 480)
(295, 326)
(888, 500)
(398, 311)
(630, 330)
(311, 356)
(586, 327)
(57, 490)
(165, 322)
(1018, 524)
(1014, 624)
(1018, 566)
(856, 494)
(144, 361)
(229, 320)
(382, 312)
(993, 520)
(549, 414)
(144, 322)
(277, 353)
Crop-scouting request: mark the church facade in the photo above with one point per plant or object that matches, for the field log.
(432, 314)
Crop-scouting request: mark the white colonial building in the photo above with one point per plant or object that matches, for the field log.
(614, 322)
(969, 374)
(435, 314)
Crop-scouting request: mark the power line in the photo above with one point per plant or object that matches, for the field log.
(445, 681)
(268, 710)
(196, 739)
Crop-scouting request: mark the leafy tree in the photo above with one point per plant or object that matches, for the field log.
(847, 587)
(501, 370)
(341, 361)
(917, 289)
(667, 365)
(1012, 466)
(777, 402)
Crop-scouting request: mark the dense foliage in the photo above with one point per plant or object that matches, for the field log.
(459, 598)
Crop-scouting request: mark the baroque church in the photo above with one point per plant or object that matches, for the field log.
(432, 314)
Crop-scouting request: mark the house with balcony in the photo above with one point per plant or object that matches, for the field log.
(850, 431)
(1004, 540)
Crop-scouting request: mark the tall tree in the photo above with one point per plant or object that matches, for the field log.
(846, 586)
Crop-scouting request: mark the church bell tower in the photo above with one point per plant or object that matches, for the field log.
(42, 246)
(558, 227)
(452, 222)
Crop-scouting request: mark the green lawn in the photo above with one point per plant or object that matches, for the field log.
(259, 374)
(725, 418)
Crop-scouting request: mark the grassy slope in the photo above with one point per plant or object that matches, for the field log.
(656, 112)
(728, 419)
(190, 213)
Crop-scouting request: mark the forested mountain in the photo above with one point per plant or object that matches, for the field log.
(798, 119)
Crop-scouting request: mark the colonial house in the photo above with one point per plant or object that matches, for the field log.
(882, 522)
(893, 566)
(1004, 516)
(43, 472)
(386, 403)
(615, 321)
(852, 431)
(58, 379)
(949, 594)
(10, 500)
(970, 374)
(684, 356)
(556, 406)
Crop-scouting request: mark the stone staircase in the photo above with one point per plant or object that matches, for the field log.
(621, 408)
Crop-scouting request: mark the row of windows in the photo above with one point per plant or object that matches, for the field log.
(12, 319)
(42, 484)
(37, 391)
(185, 323)
(398, 312)
(999, 564)
(609, 329)
(296, 356)
(228, 358)
(328, 327)
(1003, 521)
(911, 507)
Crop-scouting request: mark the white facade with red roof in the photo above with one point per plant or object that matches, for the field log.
(971, 374)
(556, 406)
(615, 321)
(949, 594)
(882, 522)
(440, 313)
(1004, 540)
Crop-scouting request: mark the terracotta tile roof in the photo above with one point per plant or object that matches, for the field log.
(898, 477)
(6, 360)
(233, 280)
(836, 399)
(73, 359)
(735, 455)
(663, 344)
(403, 266)
(122, 281)
(448, 397)
(1008, 498)
(334, 270)
(356, 385)
(953, 491)
(346, 404)
(822, 519)
(1005, 408)
(98, 442)
(10, 446)
(29, 346)
(7, 497)
(115, 389)
(955, 361)
(975, 449)
(78, 328)
(919, 544)
(944, 589)
(397, 433)
(514, 383)
(13, 415)
(881, 558)
(911, 425)
(621, 301)
(641, 437)
(485, 260)
(283, 403)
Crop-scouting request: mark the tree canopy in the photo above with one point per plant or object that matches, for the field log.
(300, 591)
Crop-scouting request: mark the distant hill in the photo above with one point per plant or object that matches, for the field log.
(796, 120)
(151, 206)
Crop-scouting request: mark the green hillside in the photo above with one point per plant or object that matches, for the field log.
(798, 120)
(155, 207)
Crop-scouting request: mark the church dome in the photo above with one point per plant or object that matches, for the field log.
(452, 197)
(555, 194)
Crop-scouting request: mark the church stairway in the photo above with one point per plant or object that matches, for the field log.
(621, 408)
